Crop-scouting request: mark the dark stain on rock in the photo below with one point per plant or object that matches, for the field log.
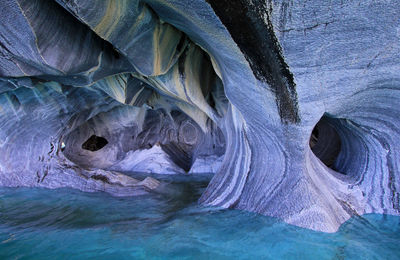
(179, 155)
(181, 43)
(116, 54)
(250, 27)
(51, 148)
(38, 176)
(46, 172)
(100, 177)
(181, 65)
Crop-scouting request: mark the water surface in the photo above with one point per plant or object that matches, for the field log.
(65, 223)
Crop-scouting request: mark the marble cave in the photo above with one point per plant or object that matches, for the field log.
(292, 106)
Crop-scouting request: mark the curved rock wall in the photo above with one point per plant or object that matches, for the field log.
(237, 88)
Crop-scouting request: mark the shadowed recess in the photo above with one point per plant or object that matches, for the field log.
(94, 143)
(94, 92)
(325, 142)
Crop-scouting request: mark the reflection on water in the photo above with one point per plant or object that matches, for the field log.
(65, 223)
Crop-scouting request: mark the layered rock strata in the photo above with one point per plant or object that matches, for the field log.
(293, 105)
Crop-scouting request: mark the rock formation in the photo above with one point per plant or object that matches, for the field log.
(293, 105)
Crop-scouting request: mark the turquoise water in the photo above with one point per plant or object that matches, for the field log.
(68, 224)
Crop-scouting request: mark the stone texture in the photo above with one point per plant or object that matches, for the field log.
(184, 87)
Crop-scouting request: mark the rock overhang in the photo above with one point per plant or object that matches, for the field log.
(265, 162)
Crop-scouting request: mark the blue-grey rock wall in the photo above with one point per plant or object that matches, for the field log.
(232, 87)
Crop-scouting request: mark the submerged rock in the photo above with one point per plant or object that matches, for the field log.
(293, 106)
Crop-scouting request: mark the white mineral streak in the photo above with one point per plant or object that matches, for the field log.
(167, 90)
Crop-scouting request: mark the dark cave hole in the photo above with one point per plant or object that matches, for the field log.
(325, 142)
(94, 143)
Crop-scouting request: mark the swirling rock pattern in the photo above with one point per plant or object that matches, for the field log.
(292, 105)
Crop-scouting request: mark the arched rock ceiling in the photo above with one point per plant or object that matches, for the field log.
(92, 89)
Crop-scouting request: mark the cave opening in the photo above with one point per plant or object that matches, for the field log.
(154, 125)
(150, 130)
(94, 143)
(325, 142)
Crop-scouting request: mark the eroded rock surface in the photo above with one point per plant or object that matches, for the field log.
(293, 105)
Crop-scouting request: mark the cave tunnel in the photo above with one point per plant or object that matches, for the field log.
(325, 142)
(164, 132)
(91, 91)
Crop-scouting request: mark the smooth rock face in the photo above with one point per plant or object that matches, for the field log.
(293, 105)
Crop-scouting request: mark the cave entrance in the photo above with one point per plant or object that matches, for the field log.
(169, 130)
(94, 143)
(325, 142)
